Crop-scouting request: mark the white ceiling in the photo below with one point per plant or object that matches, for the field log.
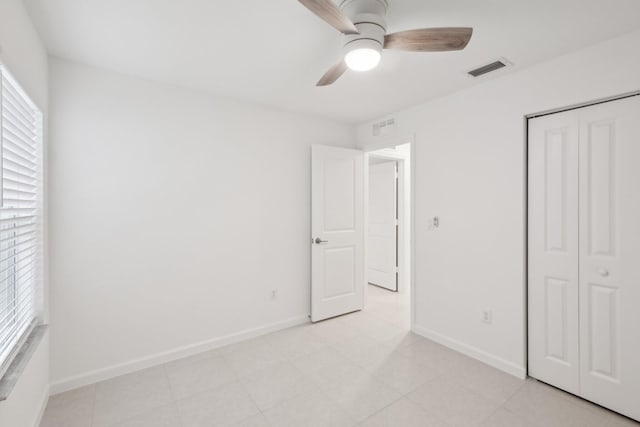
(272, 52)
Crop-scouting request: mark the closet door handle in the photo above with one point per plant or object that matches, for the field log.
(603, 272)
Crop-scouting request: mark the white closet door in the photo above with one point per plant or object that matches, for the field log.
(554, 250)
(610, 255)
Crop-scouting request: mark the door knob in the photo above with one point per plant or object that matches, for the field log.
(603, 272)
(319, 240)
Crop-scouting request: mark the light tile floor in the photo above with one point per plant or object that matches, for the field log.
(361, 369)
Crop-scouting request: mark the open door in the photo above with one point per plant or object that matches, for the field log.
(382, 246)
(337, 227)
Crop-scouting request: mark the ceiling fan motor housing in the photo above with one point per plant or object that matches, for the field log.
(369, 18)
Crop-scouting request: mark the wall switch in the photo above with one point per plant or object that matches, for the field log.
(487, 316)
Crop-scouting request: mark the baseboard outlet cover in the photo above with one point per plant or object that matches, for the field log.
(98, 375)
(473, 352)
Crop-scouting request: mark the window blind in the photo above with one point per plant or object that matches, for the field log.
(20, 188)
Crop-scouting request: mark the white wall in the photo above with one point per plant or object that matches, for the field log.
(23, 54)
(470, 171)
(173, 216)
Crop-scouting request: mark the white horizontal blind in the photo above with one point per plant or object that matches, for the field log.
(20, 137)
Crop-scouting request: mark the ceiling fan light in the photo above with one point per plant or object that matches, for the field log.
(363, 59)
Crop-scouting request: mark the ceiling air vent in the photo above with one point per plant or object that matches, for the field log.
(496, 65)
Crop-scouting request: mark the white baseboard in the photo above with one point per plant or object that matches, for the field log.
(481, 355)
(102, 374)
(43, 405)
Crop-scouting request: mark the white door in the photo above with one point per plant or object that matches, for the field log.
(584, 253)
(553, 250)
(610, 255)
(337, 227)
(382, 243)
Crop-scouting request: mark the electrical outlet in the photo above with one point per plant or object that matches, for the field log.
(487, 316)
(274, 294)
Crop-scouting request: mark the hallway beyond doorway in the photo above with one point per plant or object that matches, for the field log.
(392, 307)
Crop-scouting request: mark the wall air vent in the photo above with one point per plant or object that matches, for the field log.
(384, 127)
(496, 65)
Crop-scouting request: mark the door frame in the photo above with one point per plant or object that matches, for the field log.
(526, 119)
(406, 214)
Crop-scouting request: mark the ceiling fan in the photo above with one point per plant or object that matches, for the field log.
(364, 29)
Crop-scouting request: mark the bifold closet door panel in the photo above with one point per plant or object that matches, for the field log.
(553, 250)
(610, 255)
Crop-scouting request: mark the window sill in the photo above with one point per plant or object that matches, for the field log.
(20, 362)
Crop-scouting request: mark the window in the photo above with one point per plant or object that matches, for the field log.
(20, 213)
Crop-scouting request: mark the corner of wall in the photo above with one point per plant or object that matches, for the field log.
(473, 352)
(108, 372)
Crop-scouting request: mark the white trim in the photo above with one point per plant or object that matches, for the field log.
(365, 234)
(389, 141)
(473, 352)
(525, 249)
(583, 104)
(44, 399)
(404, 227)
(102, 374)
(380, 154)
(412, 230)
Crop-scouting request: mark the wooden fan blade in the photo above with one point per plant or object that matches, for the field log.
(333, 74)
(329, 12)
(429, 39)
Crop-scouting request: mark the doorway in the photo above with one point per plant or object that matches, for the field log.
(339, 240)
(382, 243)
(388, 218)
